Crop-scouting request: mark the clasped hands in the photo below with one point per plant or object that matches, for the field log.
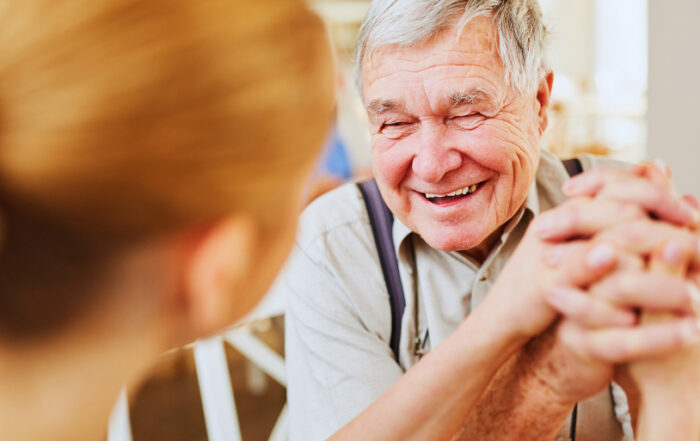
(605, 286)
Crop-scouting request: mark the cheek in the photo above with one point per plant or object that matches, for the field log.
(499, 147)
(391, 162)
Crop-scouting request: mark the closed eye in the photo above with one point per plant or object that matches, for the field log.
(468, 122)
(396, 129)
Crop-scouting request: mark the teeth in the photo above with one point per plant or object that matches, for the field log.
(466, 190)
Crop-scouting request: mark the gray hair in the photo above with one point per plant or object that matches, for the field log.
(522, 34)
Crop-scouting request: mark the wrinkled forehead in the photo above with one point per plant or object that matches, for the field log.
(474, 48)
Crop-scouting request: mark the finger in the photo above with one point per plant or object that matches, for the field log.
(650, 291)
(584, 217)
(630, 262)
(644, 237)
(587, 310)
(556, 254)
(656, 171)
(623, 345)
(585, 263)
(624, 186)
(658, 200)
(664, 171)
(691, 200)
(672, 259)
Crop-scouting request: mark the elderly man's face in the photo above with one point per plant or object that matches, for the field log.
(442, 121)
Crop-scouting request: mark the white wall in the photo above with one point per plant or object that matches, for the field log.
(674, 89)
(572, 45)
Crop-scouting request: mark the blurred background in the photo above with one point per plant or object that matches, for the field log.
(626, 85)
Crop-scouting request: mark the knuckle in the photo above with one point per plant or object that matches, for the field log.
(630, 211)
(636, 231)
(586, 312)
(540, 221)
(601, 352)
(618, 286)
(632, 263)
(677, 337)
(660, 196)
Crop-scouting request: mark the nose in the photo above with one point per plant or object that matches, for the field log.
(434, 157)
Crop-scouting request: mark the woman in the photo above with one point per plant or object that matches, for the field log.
(152, 162)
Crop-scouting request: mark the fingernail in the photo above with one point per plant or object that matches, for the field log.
(600, 256)
(662, 167)
(673, 253)
(690, 331)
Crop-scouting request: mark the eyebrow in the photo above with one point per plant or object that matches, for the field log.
(472, 96)
(459, 98)
(379, 106)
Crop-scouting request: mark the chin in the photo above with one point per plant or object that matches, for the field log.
(449, 241)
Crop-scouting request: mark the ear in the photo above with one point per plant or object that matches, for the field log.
(544, 95)
(217, 267)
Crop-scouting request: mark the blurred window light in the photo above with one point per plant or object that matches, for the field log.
(621, 53)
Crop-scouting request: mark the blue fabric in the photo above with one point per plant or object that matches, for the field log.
(334, 159)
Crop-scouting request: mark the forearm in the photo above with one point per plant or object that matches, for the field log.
(432, 400)
(516, 406)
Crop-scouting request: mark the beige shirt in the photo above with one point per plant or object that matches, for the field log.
(338, 316)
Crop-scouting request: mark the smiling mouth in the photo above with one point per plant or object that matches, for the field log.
(453, 196)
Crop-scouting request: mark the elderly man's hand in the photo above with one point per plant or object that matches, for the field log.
(584, 350)
(577, 357)
(647, 185)
(518, 297)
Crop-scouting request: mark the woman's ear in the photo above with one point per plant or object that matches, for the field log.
(217, 268)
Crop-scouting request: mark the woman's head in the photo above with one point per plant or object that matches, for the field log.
(124, 123)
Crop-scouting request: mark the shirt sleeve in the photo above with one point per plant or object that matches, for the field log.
(336, 344)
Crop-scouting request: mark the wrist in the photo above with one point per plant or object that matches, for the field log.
(542, 386)
(544, 371)
(497, 339)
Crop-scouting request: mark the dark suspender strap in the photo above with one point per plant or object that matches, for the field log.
(573, 166)
(572, 430)
(382, 221)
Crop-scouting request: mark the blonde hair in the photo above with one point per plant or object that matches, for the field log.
(125, 119)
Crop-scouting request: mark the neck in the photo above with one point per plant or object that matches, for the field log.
(62, 386)
(64, 389)
(482, 251)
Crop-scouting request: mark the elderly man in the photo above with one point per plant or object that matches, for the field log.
(457, 95)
